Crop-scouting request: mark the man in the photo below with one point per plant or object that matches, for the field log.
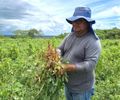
(81, 48)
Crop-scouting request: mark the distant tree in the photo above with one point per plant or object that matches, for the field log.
(24, 33)
(108, 33)
(20, 33)
(62, 35)
(40, 32)
(33, 32)
(115, 28)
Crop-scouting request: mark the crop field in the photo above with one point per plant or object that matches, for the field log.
(23, 75)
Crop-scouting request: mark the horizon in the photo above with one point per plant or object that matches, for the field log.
(27, 14)
(45, 35)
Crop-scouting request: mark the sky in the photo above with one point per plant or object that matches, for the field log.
(50, 15)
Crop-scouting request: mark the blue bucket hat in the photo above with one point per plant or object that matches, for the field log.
(83, 13)
(79, 13)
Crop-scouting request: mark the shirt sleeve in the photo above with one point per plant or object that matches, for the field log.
(92, 52)
(61, 46)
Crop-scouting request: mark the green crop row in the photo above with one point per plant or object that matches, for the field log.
(21, 62)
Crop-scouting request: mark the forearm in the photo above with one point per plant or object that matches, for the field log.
(85, 66)
(69, 67)
(82, 66)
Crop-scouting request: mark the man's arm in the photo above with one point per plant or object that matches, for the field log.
(92, 52)
(61, 47)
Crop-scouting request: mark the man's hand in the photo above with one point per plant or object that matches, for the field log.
(67, 68)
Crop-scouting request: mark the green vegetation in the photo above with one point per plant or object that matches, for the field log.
(103, 34)
(21, 62)
(21, 68)
(109, 34)
(27, 33)
(107, 72)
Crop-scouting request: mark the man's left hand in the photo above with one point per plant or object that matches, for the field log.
(67, 68)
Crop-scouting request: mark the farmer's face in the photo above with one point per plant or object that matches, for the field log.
(80, 26)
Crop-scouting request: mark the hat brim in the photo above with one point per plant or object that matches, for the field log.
(74, 18)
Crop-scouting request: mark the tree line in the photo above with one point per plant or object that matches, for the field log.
(103, 34)
(27, 33)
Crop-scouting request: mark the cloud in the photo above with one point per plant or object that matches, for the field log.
(26, 14)
(116, 10)
(50, 15)
(107, 17)
(10, 9)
